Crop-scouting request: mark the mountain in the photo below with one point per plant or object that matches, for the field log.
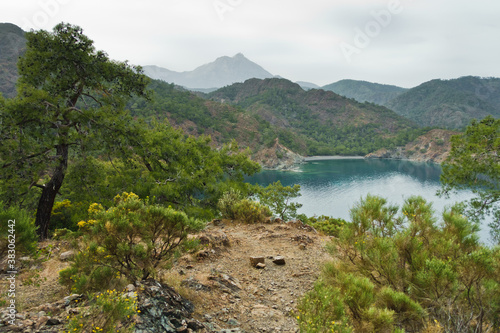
(222, 72)
(317, 122)
(450, 103)
(12, 45)
(307, 85)
(364, 91)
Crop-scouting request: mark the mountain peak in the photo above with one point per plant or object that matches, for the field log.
(222, 72)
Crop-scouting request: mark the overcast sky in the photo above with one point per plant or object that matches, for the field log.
(400, 42)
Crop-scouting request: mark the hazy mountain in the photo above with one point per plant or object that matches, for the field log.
(317, 122)
(307, 85)
(450, 103)
(364, 91)
(222, 72)
(12, 45)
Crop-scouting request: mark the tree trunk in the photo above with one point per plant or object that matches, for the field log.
(50, 191)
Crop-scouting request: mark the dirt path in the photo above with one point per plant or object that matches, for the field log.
(235, 295)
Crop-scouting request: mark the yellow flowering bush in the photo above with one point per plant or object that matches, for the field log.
(130, 240)
(109, 312)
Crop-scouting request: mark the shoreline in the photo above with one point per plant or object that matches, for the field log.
(333, 157)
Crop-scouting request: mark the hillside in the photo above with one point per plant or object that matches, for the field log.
(433, 146)
(222, 72)
(363, 91)
(450, 103)
(322, 122)
(12, 45)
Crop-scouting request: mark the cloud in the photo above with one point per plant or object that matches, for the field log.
(295, 39)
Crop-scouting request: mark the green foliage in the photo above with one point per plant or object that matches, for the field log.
(326, 224)
(233, 206)
(23, 232)
(131, 240)
(109, 312)
(70, 102)
(227, 203)
(249, 211)
(405, 271)
(323, 310)
(65, 215)
(474, 163)
(278, 198)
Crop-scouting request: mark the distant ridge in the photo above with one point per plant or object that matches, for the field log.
(363, 91)
(12, 45)
(451, 103)
(222, 72)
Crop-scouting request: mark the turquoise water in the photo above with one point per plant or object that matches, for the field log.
(332, 187)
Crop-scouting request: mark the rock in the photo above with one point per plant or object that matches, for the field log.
(298, 224)
(279, 260)
(162, 309)
(233, 322)
(227, 281)
(130, 288)
(53, 321)
(260, 266)
(254, 261)
(302, 246)
(68, 255)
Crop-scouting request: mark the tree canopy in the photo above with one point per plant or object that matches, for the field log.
(474, 163)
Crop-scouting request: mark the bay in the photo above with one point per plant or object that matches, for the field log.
(332, 187)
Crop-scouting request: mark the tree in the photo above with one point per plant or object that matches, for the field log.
(278, 197)
(474, 163)
(70, 102)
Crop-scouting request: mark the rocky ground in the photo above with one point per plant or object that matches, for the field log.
(222, 290)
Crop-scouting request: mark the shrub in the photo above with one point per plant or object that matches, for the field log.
(405, 272)
(227, 202)
(109, 312)
(66, 214)
(323, 310)
(328, 225)
(24, 231)
(277, 197)
(129, 240)
(249, 211)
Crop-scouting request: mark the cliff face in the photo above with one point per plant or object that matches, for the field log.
(277, 157)
(431, 147)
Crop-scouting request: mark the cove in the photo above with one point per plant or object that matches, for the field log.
(332, 187)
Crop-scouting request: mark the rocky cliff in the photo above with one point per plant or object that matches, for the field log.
(277, 157)
(431, 147)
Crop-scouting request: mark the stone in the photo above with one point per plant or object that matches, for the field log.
(302, 246)
(52, 322)
(279, 260)
(233, 322)
(260, 265)
(130, 288)
(254, 261)
(68, 255)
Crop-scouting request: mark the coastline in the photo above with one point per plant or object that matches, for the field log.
(333, 157)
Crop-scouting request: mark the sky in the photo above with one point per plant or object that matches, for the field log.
(398, 42)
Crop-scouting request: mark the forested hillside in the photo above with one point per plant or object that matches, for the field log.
(318, 122)
(450, 103)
